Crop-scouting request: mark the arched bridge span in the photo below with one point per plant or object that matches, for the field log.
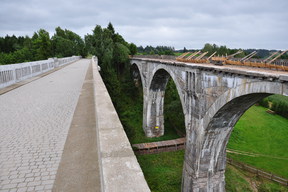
(213, 99)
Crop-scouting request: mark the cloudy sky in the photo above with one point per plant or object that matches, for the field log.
(182, 23)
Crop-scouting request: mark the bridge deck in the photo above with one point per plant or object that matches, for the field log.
(241, 70)
(34, 124)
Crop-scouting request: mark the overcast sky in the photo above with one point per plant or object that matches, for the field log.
(182, 23)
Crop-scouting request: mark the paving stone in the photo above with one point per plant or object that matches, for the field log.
(34, 122)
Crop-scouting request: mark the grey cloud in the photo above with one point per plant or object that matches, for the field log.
(189, 23)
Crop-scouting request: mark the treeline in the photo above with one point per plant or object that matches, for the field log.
(277, 103)
(223, 51)
(158, 50)
(41, 46)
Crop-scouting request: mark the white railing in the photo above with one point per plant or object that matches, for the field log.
(10, 74)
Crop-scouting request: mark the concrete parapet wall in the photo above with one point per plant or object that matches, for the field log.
(10, 74)
(119, 169)
(166, 57)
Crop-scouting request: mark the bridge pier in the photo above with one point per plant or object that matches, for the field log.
(207, 138)
(153, 113)
(153, 118)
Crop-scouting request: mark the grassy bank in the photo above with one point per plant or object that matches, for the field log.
(262, 133)
(257, 132)
(163, 173)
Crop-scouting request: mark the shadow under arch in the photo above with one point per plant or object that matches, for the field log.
(153, 114)
(136, 75)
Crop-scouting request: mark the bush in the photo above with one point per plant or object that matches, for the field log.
(279, 104)
(264, 102)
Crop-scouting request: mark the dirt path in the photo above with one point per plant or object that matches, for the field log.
(253, 154)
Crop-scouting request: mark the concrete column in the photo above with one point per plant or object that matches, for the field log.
(153, 117)
(205, 160)
(207, 138)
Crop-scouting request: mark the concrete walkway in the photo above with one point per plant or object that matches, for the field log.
(34, 123)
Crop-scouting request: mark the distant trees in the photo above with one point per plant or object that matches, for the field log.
(159, 50)
(41, 46)
(221, 50)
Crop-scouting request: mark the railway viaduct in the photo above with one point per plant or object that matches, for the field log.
(60, 132)
(213, 98)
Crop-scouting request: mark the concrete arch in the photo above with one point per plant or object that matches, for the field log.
(176, 80)
(153, 123)
(215, 130)
(258, 87)
(213, 98)
(135, 69)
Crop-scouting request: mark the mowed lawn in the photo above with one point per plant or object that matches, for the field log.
(256, 132)
(260, 132)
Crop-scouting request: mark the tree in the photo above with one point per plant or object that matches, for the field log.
(67, 43)
(120, 57)
(111, 28)
(133, 49)
(185, 50)
(42, 45)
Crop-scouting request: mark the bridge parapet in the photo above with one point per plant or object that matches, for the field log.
(13, 73)
(119, 169)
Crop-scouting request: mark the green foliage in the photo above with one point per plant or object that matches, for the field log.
(173, 112)
(264, 102)
(121, 57)
(42, 45)
(159, 50)
(279, 104)
(220, 50)
(111, 28)
(133, 49)
(185, 50)
(64, 43)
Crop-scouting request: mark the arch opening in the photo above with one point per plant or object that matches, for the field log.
(154, 111)
(259, 138)
(210, 163)
(136, 76)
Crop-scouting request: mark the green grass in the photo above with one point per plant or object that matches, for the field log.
(236, 180)
(163, 173)
(260, 132)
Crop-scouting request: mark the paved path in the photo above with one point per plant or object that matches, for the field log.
(34, 123)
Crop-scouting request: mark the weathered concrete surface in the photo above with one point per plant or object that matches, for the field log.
(120, 170)
(213, 98)
(34, 122)
(79, 166)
